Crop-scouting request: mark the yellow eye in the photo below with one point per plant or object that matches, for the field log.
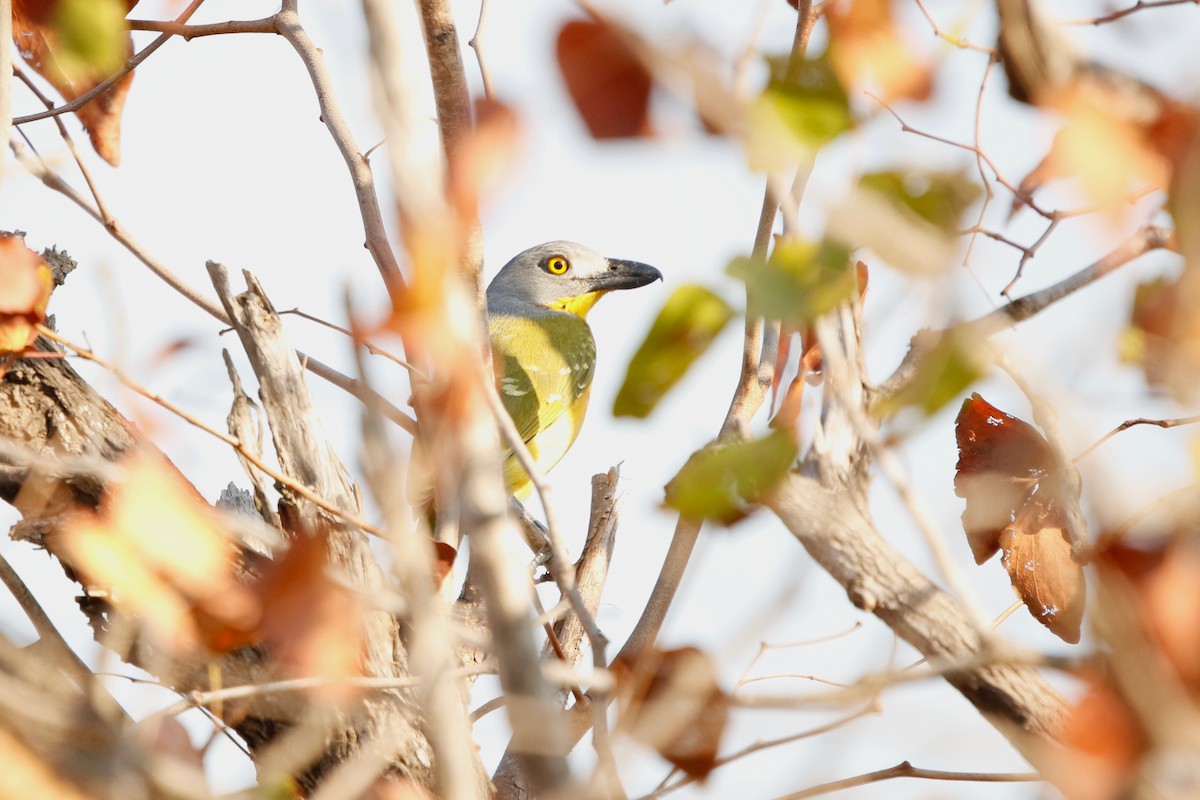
(557, 265)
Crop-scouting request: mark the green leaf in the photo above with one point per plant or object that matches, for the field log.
(92, 37)
(725, 480)
(953, 363)
(939, 198)
(685, 327)
(796, 114)
(800, 281)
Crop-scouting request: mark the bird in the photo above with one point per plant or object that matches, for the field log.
(543, 351)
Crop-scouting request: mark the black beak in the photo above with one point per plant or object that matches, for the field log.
(625, 275)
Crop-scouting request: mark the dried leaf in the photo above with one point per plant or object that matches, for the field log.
(724, 481)
(25, 285)
(1001, 461)
(443, 563)
(75, 45)
(607, 82)
(866, 46)
(670, 700)
(684, 329)
(1037, 555)
(1016, 501)
(1164, 334)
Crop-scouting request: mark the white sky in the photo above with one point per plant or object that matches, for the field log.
(225, 159)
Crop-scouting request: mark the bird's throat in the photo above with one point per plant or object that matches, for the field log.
(579, 305)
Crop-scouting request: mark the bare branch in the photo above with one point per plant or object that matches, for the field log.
(906, 770)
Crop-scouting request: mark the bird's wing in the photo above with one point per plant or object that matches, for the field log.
(544, 367)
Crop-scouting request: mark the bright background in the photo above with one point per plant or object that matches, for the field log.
(224, 158)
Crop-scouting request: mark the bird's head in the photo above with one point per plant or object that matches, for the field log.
(565, 276)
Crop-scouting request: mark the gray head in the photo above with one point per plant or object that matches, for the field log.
(564, 276)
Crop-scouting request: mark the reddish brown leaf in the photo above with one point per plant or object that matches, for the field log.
(1017, 501)
(1000, 463)
(1037, 555)
(444, 562)
(670, 700)
(1103, 743)
(607, 82)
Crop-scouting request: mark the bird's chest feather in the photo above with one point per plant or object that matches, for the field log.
(544, 369)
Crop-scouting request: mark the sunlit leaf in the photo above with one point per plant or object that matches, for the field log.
(796, 114)
(950, 365)
(868, 49)
(25, 285)
(799, 282)
(76, 44)
(724, 481)
(670, 700)
(161, 551)
(607, 82)
(1036, 552)
(1106, 144)
(683, 330)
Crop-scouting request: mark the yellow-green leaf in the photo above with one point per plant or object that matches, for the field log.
(724, 481)
(952, 364)
(796, 114)
(939, 198)
(800, 281)
(685, 327)
(91, 37)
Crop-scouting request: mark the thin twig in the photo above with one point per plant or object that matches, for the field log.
(954, 40)
(1129, 423)
(66, 137)
(1140, 5)
(476, 44)
(907, 770)
(666, 788)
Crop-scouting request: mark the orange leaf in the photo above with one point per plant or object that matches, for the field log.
(161, 550)
(311, 623)
(482, 156)
(670, 700)
(1103, 744)
(1105, 144)
(865, 43)
(607, 82)
(1037, 555)
(25, 285)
